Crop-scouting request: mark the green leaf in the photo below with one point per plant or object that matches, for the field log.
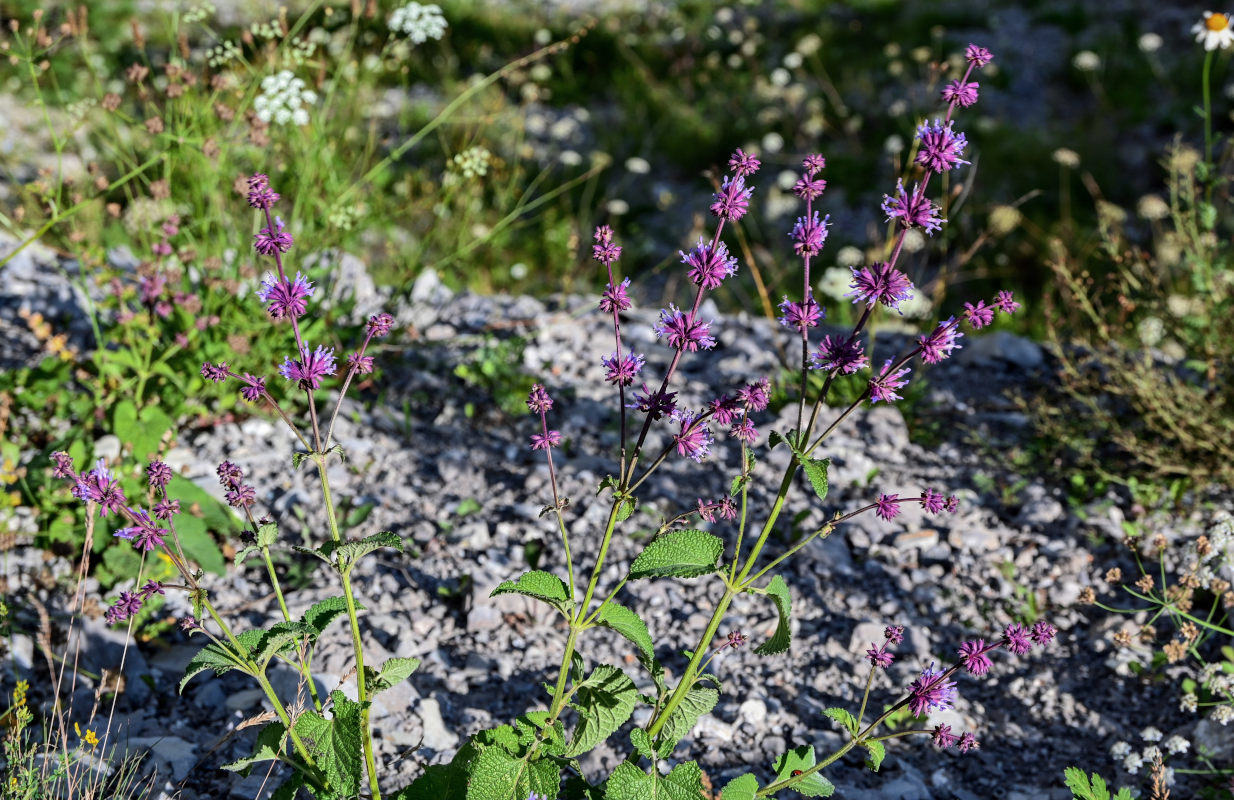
(392, 672)
(497, 774)
(775, 439)
(628, 782)
(335, 744)
(267, 534)
(816, 471)
(697, 702)
(531, 726)
(1077, 780)
(642, 743)
(199, 545)
(218, 658)
(323, 612)
(742, 788)
(842, 716)
(802, 758)
(541, 585)
(617, 617)
(681, 554)
(779, 642)
(625, 507)
(439, 781)
(290, 787)
(877, 753)
(281, 637)
(351, 552)
(604, 702)
(269, 746)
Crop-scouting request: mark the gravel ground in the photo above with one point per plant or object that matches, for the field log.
(945, 578)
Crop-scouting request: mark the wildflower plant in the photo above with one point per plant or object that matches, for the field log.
(327, 740)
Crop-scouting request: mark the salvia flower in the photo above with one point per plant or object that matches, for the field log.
(961, 93)
(240, 496)
(230, 475)
(125, 607)
(254, 388)
(63, 465)
(538, 401)
(1016, 637)
(145, 536)
(655, 403)
(214, 372)
(359, 363)
(693, 439)
(285, 297)
(159, 474)
(941, 146)
(732, 201)
(967, 742)
(151, 588)
(709, 267)
(813, 163)
(885, 385)
(978, 56)
(943, 737)
(809, 234)
(932, 501)
(605, 250)
(973, 657)
(930, 692)
(165, 509)
(736, 639)
(707, 510)
(543, 441)
(912, 209)
(380, 324)
(683, 331)
(894, 633)
(1005, 302)
(887, 506)
(756, 395)
(743, 163)
(728, 509)
(802, 316)
(1043, 633)
(101, 487)
(310, 368)
(724, 409)
(622, 371)
(880, 656)
(260, 194)
(880, 283)
(809, 187)
(269, 241)
(979, 315)
(615, 298)
(939, 344)
(744, 431)
(844, 355)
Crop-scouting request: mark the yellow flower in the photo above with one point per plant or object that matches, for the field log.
(1214, 31)
(91, 739)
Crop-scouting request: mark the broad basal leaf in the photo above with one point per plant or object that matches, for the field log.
(604, 702)
(680, 554)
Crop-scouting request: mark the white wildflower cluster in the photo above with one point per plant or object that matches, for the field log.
(1151, 331)
(265, 30)
(222, 54)
(472, 162)
(419, 22)
(1133, 760)
(284, 99)
(301, 51)
(199, 13)
(1222, 714)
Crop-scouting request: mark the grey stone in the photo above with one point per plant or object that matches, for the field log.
(21, 651)
(1001, 346)
(436, 735)
(483, 618)
(180, 755)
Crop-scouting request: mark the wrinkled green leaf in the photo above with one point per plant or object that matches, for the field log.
(267, 534)
(335, 744)
(697, 702)
(540, 585)
(281, 637)
(497, 774)
(740, 788)
(617, 617)
(269, 746)
(323, 612)
(642, 743)
(877, 753)
(220, 659)
(628, 782)
(842, 716)
(604, 702)
(681, 554)
(802, 758)
(391, 673)
(779, 642)
(351, 552)
(816, 471)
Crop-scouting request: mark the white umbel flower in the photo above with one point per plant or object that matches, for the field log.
(284, 100)
(419, 23)
(1214, 31)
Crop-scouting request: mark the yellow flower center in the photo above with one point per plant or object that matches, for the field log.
(1217, 22)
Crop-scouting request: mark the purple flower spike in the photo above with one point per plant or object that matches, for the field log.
(614, 298)
(683, 331)
(541, 441)
(879, 656)
(961, 93)
(101, 487)
(656, 404)
(1043, 633)
(881, 283)
(932, 501)
(538, 400)
(894, 633)
(967, 742)
(939, 344)
(845, 355)
(953, 503)
(756, 395)
(254, 388)
(724, 409)
(887, 506)
(1005, 302)
(733, 200)
(973, 656)
(978, 315)
(622, 371)
(63, 465)
(128, 605)
(801, 316)
(941, 146)
(380, 324)
(241, 496)
(943, 737)
(285, 298)
(159, 474)
(930, 692)
(260, 194)
(708, 267)
(728, 509)
(151, 588)
(809, 187)
(214, 372)
(743, 163)
(693, 439)
(912, 209)
(362, 365)
(885, 385)
(744, 431)
(229, 474)
(1016, 637)
(978, 56)
(809, 234)
(165, 509)
(269, 241)
(310, 368)
(813, 163)
(605, 250)
(706, 510)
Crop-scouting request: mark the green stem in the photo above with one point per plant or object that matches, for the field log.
(692, 670)
(1208, 123)
(302, 665)
(559, 693)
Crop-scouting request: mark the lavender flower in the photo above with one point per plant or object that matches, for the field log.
(844, 355)
(260, 194)
(809, 234)
(657, 404)
(967, 742)
(930, 692)
(743, 163)
(380, 324)
(744, 431)
(543, 441)
(1016, 637)
(880, 656)
(709, 267)
(978, 315)
(151, 588)
(63, 465)
(813, 163)
(912, 209)
(885, 385)
(254, 388)
(164, 509)
(887, 506)
(145, 535)
(1005, 302)
(158, 474)
(683, 331)
(802, 316)
(240, 496)
(101, 487)
(214, 372)
(978, 56)
(973, 657)
(809, 187)
(622, 371)
(941, 146)
(605, 250)
(706, 510)
(693, 438)
(756, 395)
(230, 475)
(724, 409)
(284, 297)
(960, 93)
(942, 736)
(1043, 633)
(614, 298)
(939, 344)
(881, 283)
(932, 501)
(733, 200)
(360, 364)
(269, 241)
(310, 368)
(894, 633)
(728, 509)
(538, 401)
(128, 605)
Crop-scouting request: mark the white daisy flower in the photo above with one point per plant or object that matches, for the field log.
(1214, 31)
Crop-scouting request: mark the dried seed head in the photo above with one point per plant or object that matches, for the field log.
(1113, 575)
